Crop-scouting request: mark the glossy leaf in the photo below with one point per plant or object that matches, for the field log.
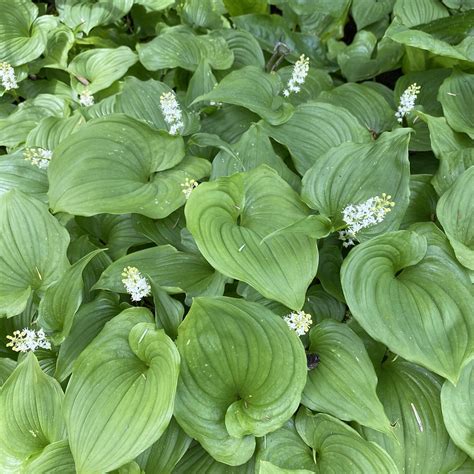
(32, 250)
(228, 347)
(410, 395)
(255, 90)
(313, 129)
(457, 403)
(408, 287)
(141, 180)
(120, 397)
(344, 382)
(30, 409)
(455, 211)
(229, 217)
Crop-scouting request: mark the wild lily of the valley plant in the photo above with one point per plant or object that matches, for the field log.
(236, 236)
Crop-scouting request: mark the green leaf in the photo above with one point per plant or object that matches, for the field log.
(242, 7)
(403, 288)
(423, 198)
(32, 250)
(420, 12)
(367, 12)
(410, 395)
(78, 14)
(60, 41)
(455, 212)
(22, 34)
(174, 271)
(330, 261)
(247, 51)
(56, 457)
(15, 128)
(457, 402)
(30, 410)
(51, 131)
(366, 104)
(168, 311)
(344, 382)
(119, 399)
(88, 322)
(18, 173)
(313, 129)
(339, 448)
(197, 460)
(456, 94)
(142, 178)
(7, 366)
(61, 301)
(165, 453)
(251, 150)
(176, 48)
(202, 13)
(229, 217)
(285, 449)
(100, 67)
(255, 90)
(321, 305)
(202, 81)
(247, 382)
(339, 178)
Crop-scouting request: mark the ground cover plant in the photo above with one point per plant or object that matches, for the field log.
(236, 236)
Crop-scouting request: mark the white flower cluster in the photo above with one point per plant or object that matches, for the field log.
(39, 157)
(188, 186)
(86, 99)
(299, 321)
(171, 112)
(407, 101)
(361, 216)
(7, 75)
(300, 71)
(28, 340)
(135, 283)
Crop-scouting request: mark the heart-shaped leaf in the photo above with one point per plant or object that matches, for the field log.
(30, 411)
(339, 178)
(410, 395)
(313, 129)
(32, 250)
(144, 177)
(455, 211)
(457, 403)
(242, 375)
(229, 218)
(339, 448)
(255, 90)
(404, 288)
(100, 67)
(120, 397)
(344, 381)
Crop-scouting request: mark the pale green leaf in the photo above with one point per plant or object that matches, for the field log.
(30, 410)
(410, 395)
(404, 288)
(344, 382)
(56, 458)
(242, 375)
(120, 397)
(313, 129)
(229, 217)
(32, 250)
(457, 403)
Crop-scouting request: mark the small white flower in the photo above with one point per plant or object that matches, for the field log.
(407, 101)
(300, 71)
(86, 99)
(299, 321)
(171, 112)
(361, 216)
(28, 340)
(7, 75)
(135, 283)
(188, 186)
(39, 157)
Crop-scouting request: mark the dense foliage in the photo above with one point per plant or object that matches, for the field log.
(236, 236)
